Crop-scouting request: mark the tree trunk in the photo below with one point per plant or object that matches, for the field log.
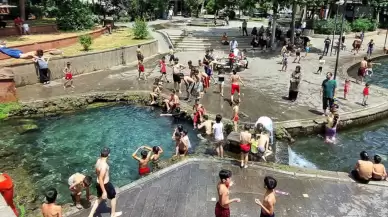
(274, 18)
(292, 39)
(22, 6)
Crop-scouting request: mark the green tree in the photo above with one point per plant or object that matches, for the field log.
(74, 15)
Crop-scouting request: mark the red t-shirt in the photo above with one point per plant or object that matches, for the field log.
(18, 21)
(162, 66)
(231, 56)
(366, 91)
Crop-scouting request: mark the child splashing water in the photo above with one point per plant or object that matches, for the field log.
(331, 126)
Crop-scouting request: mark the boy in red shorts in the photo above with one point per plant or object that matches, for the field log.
(140, 67)
(222, 206)
(235, 79)
(68, 76)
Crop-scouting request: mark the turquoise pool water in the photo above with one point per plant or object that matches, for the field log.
(71, 143)
(380, 74)
(312, 152)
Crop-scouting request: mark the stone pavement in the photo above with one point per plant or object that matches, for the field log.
(190, 191)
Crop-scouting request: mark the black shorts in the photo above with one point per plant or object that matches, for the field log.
(327, 102)
(176, 78)
(320, 68)
(172, 57)
(140, 57)
(110, 190)
(298, 54)
(221, 79)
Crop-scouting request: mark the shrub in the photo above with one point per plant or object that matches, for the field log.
(327, 27)
(74, 15)
(363, 25)
(85, 41)
(140, 29)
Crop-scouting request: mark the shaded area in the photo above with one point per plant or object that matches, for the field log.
(190, 191)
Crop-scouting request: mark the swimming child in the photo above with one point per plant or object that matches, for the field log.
(365, 93)
(346, 87)
(143, 161)
(331, 126)
(140, 67)
(379, 172)
(68, 76)
(50, 209)
(155, 158)
(321, 63)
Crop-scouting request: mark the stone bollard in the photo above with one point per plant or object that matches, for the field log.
(7, 86)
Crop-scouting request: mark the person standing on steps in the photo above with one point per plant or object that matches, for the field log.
(244, 28)
(327, 46)
(105, 189)
(328, 92)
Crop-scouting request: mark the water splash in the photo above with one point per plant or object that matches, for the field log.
(296, 160)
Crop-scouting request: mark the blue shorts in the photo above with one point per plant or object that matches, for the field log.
(14, 53)
(307, 49)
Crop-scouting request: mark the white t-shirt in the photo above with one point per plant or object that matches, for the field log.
(218, 129)
(321, 62)
(303, 25)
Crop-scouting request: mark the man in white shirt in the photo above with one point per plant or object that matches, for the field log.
(218, 131)
(303, 25)
(233, 44)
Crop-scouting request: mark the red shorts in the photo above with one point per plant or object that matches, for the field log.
(221, 211)
(6, 190)
(235, 118)
(68, 76)
(245, 148)
(346, 89)
(206, 82)
(144, 171)
(235, 87)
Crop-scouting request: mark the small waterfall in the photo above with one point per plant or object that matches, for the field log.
(299, 161)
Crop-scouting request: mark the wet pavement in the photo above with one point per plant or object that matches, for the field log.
(190, 191)
(264, 94)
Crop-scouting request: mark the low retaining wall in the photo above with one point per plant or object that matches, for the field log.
(53, 44)
(7, 91)
(26, 73)
(43, 29)
(350, 35)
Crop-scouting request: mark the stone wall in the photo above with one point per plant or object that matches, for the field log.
(53, 44)
(26, 73)
(7, 91)
(43, 29)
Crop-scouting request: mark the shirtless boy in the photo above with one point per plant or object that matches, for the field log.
(207, 125)
(181, 145)
(104, 188)
(50, 209)
(263, 142)
(379, 172)
(268, 204)
(144, 160)
(235, 79)
(156, 90)
(363, 170)
(222, 208)
(173, 102)
(189, 82)
(235, 117)
(245, 146)
(77, 183)
(362, 69)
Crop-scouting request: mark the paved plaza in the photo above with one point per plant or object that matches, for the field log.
(190, 191)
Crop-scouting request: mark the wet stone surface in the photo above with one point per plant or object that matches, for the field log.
(190, 191)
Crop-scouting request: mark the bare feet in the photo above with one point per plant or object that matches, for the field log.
(117, 214)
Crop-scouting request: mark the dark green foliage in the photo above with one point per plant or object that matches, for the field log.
(327, 27)
(363, 25)
(74, 15)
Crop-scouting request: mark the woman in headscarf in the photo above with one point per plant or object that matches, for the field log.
(296, 78)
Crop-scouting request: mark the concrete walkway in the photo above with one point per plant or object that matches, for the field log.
(190, 191)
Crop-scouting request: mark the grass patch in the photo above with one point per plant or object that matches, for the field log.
(119, 38)
(6, 108)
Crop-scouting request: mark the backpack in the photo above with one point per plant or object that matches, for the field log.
(42, 63)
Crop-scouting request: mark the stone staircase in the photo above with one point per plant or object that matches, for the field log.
(201, 43)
